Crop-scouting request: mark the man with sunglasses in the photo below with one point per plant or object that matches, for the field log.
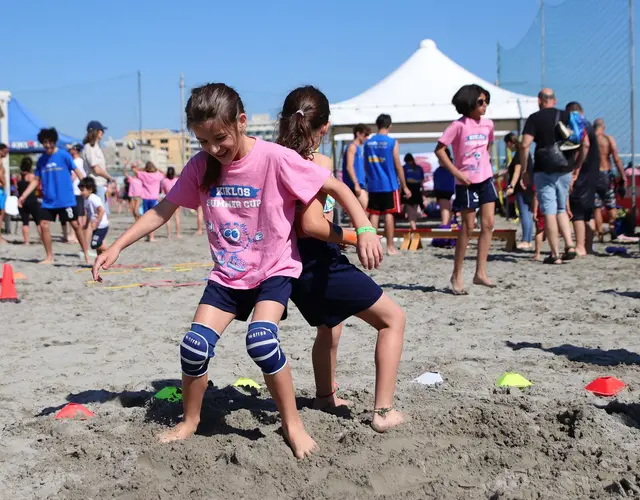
(552, 172)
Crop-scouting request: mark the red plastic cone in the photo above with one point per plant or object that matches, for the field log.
(74, 410)
(605, 386)
(8, 292)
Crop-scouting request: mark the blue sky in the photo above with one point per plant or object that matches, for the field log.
(74, 64)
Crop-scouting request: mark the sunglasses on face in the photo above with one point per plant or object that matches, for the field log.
(482, 102)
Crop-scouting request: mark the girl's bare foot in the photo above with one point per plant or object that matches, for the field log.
(392, 251)
(46, 261)
(179, 236)
(199, 233)
(537, 257)
(483, 280)
(180, 432)
(457, 288)
(301, 443)
(386, 418)
(332, 401)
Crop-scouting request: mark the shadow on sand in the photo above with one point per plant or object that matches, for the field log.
(217, 403)
(589, 355)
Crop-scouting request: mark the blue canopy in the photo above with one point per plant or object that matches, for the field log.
(23, 130)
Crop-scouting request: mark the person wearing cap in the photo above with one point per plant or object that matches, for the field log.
(94, 161)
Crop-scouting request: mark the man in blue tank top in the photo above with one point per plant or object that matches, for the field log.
(353, 165)
(384, 178)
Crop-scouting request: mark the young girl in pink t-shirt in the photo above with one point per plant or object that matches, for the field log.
(471, 137)
(134, 193)
(248, 189)
(165, 186)
(150, 179)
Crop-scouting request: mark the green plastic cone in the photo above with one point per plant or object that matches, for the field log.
(513, 380)
(171, 394)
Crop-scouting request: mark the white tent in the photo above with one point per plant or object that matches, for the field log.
(418, 95)
(4, 128)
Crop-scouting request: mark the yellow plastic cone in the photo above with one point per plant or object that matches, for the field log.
(246, 382)
(513, 380)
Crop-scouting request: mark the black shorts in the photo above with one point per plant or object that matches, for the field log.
(51, 214)
(30, 210)
(581, 202)
(79, 208)
(416, 196)
(98, 236)
(387, 202)
(473, 196)
(330, 288)
(580, 212)
(241, 302)
(442, 195)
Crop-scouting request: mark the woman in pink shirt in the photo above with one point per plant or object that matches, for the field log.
(248, 189)
(165, 186)
(471, 137)
(150, 179)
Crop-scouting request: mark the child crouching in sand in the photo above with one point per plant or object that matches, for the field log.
(248, 189)
(330, 289)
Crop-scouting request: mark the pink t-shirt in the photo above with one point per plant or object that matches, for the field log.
(167, 184)
(150, 187)
(249, 214)
(470, 141)
(134, 186)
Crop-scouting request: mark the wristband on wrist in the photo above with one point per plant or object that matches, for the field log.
(365, 229)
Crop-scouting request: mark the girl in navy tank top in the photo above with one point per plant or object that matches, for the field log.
(330, 288)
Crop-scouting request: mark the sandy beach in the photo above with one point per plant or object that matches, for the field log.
(112, 349)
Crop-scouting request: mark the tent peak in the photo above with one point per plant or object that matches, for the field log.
(427, 43)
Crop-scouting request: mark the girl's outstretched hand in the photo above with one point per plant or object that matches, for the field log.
(369, 250)
(104, 261)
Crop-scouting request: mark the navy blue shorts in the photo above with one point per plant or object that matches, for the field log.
(330, 288)
(148, 205)
(242, 302)
(98, 236)
(473, 196)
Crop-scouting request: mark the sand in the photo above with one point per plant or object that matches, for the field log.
(112, 349)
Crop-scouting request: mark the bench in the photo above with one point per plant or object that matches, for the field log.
(412, 240)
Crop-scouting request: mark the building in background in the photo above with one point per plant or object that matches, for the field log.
(167, 140)
(117, 154)
(194, 144)
(262, 126)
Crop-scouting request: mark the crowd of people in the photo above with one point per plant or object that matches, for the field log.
(567, 182)
(268, 212)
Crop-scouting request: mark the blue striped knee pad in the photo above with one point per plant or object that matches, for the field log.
(263, 345)
(196, 349)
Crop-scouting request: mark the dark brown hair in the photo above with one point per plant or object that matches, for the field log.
(304, 111)
(360, 128)
(213, 101)
(91, 137)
